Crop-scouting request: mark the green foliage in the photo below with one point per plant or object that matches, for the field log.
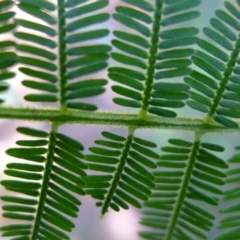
(159, 64)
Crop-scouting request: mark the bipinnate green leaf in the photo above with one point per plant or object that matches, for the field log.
(8, 57)
(217, 82)
(228, 226)
(134, 50)
(48, 186)
(131, 179)
(172, 210)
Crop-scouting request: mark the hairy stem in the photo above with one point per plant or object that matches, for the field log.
(46, 180)
(152, 59)
(109, 118)
(62, 54)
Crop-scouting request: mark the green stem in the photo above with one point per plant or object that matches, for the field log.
(223, 84)
(118, 174)
(46, 180)
(183, 189)
(152, 59)
(62, 54)
(110, 118)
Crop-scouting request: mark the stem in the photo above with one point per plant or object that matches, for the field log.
(46, 180)
(183, 189)
(110, 118)
(62, 54)
(152, 59)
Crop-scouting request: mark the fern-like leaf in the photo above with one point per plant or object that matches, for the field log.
(217, 89)
(54, 170)
(125, 160)
(188, 177)
(154, 55)
(73, 62)
(230, 222)
(7, 56)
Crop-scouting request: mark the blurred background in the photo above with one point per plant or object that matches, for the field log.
(114, 226)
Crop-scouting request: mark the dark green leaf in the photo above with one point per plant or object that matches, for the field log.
(199, 87)
(145, 142)
(20, 184)
(6, 16)
(170, 95)
(7, 28)
(41, 98)
(80, 37)
(87, 60)
(40, 4)
(42, 75)
(38, 63)
(145, 151)
(127, 92)
(36, 26)
(178, 42)
(144, 5)
(101, 168)
(101, 159)
(179, 32)
(32, 132)
(204, 79)
(19, 200)
(179, 142)
(129, 60)
(129, 22)
(140, 169)
(182, 5)
(200, 99)
(212, 49)
(172, 73)
(128, 198)
(180, 18)
(113, 136)
(96, 49)
(213, 147)
(85, 92)
(36, 39)
(127, 73)
(143, 160)
(40, 86)
(37, 51)
(228, 19)
(24, 175)
(197, 106)
(219, 65)
(178, 53)
(133, 13)
(75, 12)
(221, 40)
(26, 151)
(207, 67)
(66, 184)
(218, 25)
(127, 102)
(18, 216)
(128, 37)
(36, 12)
(87, 21)
(95, 67)
(130, 49)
